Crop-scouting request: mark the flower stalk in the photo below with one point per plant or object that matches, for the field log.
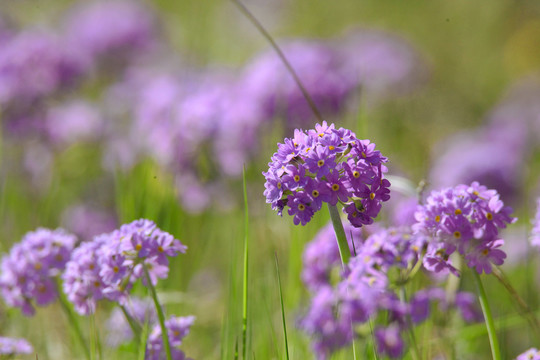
(344, 251)
(161, 317)
(488, 318)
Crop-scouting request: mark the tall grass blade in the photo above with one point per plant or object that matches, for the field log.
(282, 308)
(246, 269)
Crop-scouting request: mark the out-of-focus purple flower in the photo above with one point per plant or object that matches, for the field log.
(86, 221)
(389, 341)
(468, 307)
(141, 311)
(468, 157)
(535, 232)
(74, 121)
(402, 210)
(177, 329)
(34, 65)
(356, 179)
(467, 219)
(317, 66)
(29, 270)
(13, 346)
(113, 31)
(108, 266)
(321, 255)
(380, 64)
(531, 354)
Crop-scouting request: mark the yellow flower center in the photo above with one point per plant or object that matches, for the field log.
(321, 134)
(138, 247)
(356, 174)
(437, 218)
(458, 212)
(335, 187)
(160, 249)
(485, 252)
(297, 178)
(489, 216)
(457, 234)
(372, 196)
(116, 269)
(278, 185)
(331, 147)
(37, 266)
(315, 193)
(320, 163)
(301, 207)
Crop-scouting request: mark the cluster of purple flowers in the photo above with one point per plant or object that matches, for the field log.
(177, 329)
(12, 346)
(30, 269)
(108, 266)
(364, 291)
(466, 218)
(327, 165)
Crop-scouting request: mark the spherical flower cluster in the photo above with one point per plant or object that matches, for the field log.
(466, 219)
(327, 165)
(177, 329)
(535, 233)
(336, 311)
(531, 354)
(12, 346)
(108, 266)
(29, 270)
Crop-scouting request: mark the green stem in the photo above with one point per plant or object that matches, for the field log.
(246, 269)
(490, 324)
(72, 319)
(343, 245)
(135, 328)
(415, 353)
(281, 56)
(161, 317)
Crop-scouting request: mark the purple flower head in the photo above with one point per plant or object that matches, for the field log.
(112, 30)
(389, 341)
(466, 218)
(531, 354)
(327, 165)
(316, 64)
(86, 221)
(34, 65)
(109, 265)
(12, 346)
(177, 329)
(29, 270)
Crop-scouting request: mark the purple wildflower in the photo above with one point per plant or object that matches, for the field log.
(327, 165)
(389, 341)
(13, 346)
(177, 329)
(108, 266)
(112, 30)
(29, 270)
(467, 219)
(531, 354)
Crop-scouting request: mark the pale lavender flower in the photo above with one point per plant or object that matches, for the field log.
(112, 31)
(142, 311)
(74, 121)
(389, 341)
(535, 232)
(466, 219)
(381, 64)
(317, 66)
(177, 329)
(13, 346)
(30, 269)
(531, 354)
(88, 221)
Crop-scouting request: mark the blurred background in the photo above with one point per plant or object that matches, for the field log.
(118, 110)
